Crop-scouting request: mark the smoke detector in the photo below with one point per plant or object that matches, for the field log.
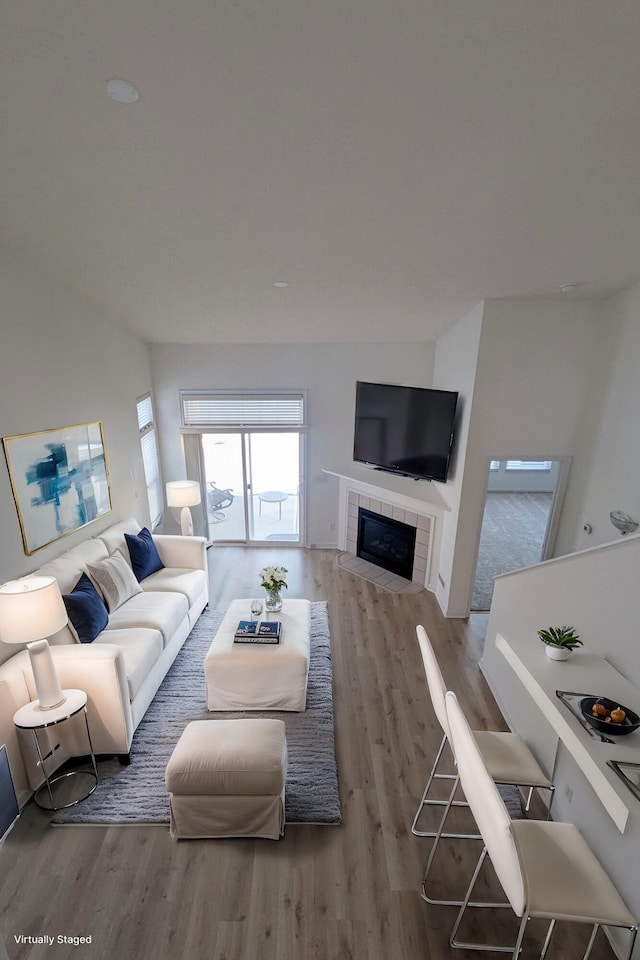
(122, 91)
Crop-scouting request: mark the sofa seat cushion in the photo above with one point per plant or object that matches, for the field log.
(191, 583)
(239, 757)
(141, 648)
(159, 611)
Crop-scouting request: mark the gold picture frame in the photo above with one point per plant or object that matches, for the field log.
(59, 480)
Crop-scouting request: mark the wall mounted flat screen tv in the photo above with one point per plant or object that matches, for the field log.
(404, 430)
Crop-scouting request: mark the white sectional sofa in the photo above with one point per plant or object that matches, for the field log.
(123, 667)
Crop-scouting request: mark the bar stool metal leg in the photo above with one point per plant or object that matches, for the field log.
(438, 837)
(425, 802)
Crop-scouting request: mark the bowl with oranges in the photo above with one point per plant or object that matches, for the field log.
(609, 717)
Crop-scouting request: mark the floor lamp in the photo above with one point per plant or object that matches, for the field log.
(185, 494)
(31, 610)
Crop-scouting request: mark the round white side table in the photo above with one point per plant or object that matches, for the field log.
(272, 496)
(31, 717)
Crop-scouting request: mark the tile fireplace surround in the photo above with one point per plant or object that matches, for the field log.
(391, 497)
(421, 523)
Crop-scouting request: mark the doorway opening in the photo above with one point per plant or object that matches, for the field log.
(519, 522)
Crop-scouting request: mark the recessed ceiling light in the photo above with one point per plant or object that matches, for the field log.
(281, 284)
(122, 91)
(568, 287)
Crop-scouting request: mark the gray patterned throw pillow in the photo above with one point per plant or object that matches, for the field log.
(115, 580)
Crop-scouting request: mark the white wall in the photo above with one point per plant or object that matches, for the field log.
(61, 364)
(327, 371)
(612, 474)
(456, 369)
(535, 367)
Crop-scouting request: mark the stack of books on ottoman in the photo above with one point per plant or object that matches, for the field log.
(258, 631)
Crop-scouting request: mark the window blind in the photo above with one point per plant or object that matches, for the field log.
(150, 464)
(528, 464)
(242, 410)
(145, 412)
(152, 476)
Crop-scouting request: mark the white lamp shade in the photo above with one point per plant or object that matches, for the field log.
(30, 609)
(183, 493)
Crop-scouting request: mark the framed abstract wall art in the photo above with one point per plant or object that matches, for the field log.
(60, 481)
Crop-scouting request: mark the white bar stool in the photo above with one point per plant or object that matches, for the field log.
(507, 756)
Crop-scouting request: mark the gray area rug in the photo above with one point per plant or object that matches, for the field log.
(512, 800)
(137, 795)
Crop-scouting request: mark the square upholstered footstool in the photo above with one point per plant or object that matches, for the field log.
(226, 778)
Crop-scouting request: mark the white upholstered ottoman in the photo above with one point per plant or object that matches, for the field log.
(260, 676)
(226, 778)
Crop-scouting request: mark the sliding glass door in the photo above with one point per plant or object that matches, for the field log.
(224, 486)
(251, 485)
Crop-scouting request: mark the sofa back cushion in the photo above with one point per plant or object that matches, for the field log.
(113, 536)
(68, 566)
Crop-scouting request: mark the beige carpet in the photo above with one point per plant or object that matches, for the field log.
(513, 531)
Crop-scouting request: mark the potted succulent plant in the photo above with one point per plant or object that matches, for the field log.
(559, 641)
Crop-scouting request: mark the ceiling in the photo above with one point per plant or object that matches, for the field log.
(395, 161)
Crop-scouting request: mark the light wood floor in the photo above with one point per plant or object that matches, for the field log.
(347, 892)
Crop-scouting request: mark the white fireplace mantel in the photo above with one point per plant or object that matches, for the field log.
(432, 506)
(420, 495)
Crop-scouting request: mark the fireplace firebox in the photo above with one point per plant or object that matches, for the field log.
(388, 543)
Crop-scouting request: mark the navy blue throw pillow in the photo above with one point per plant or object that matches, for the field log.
(145, 558)
(86, 610)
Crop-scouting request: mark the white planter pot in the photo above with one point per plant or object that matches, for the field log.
(557, 653)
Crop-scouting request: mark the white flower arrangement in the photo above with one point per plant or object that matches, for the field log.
(274, 578)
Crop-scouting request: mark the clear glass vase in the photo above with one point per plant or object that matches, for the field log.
(274, 600)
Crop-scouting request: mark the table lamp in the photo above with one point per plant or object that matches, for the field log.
(185, 494)
(31, 610)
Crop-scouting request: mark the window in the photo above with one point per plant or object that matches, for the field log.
(529, 465)
(246, 443)
(238, 410)
(540, 466)
(150, 459)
